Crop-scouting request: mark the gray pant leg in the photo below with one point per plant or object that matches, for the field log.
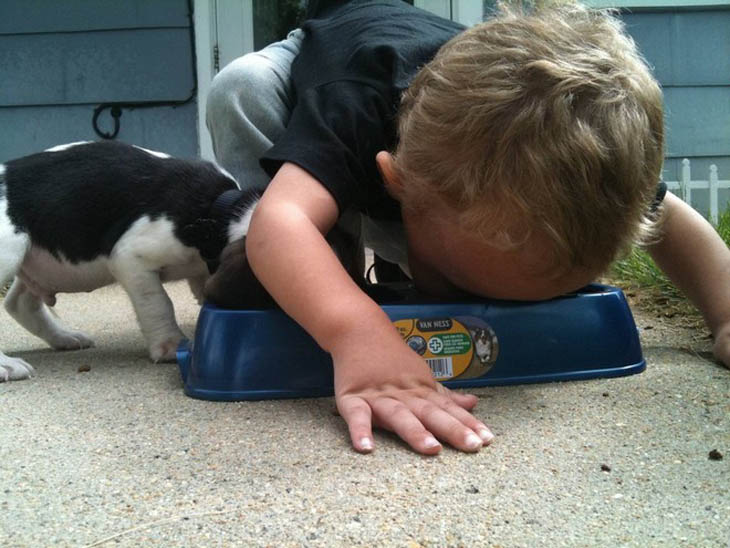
(249, 106)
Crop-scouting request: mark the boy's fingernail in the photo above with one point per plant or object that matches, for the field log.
(485, 434)
(366, 444)
(473, 441)
(431, 442)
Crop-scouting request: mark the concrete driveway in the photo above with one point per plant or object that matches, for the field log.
(119, 456)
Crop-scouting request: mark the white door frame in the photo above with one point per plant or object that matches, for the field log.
(223, 32)
(466, 12)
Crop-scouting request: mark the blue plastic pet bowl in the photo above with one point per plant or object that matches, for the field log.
(263, 354)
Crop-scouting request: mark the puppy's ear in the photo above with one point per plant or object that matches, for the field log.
(234, 285)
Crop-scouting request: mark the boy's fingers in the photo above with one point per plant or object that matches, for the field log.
(419, 421)
(460, 406)
(394, 415)
(358, 417)
(466, 418)
(467, 401)
(449, 424)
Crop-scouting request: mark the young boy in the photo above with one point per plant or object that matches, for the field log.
(511, 160)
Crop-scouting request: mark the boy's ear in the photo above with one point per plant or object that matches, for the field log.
(386, 165)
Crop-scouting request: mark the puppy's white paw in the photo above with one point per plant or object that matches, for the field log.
(166, 350)
(14, 369)
(70, 340)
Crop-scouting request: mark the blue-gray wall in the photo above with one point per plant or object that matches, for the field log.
(58, 60)
(690, 53)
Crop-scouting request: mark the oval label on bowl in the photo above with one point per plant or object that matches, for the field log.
(463, 346)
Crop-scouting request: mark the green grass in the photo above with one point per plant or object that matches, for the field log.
(637, 271)
(723, 226)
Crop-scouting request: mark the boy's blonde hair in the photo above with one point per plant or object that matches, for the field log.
(546, 122)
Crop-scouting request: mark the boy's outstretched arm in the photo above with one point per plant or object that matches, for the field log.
(379, 380)
(698, 261)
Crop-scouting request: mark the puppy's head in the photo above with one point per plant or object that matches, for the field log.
(234, 285)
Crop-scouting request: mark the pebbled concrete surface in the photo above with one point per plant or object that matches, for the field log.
(119, 456)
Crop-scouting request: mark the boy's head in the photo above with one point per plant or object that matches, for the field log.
(539, 135)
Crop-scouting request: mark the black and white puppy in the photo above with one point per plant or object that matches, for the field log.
(81, 216)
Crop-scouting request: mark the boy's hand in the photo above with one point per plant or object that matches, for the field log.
(380, 381)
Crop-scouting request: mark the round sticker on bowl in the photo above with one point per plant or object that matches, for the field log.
(464, 347)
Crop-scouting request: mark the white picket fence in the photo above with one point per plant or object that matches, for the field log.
(686, 185)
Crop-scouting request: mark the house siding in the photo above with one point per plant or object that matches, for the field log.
(689, 51)
(59, 60)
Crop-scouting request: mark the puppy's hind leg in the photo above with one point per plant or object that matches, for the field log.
(13, 246)
(13, 369)
(30, 312)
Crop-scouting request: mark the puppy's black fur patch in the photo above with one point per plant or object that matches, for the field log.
(78, 202)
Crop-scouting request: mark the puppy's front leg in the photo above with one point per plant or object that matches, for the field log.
(155, 313)
(197, 284)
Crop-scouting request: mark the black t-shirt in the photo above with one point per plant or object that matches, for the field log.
(356, 60)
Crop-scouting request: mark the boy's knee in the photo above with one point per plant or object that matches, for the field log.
(241, 86)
